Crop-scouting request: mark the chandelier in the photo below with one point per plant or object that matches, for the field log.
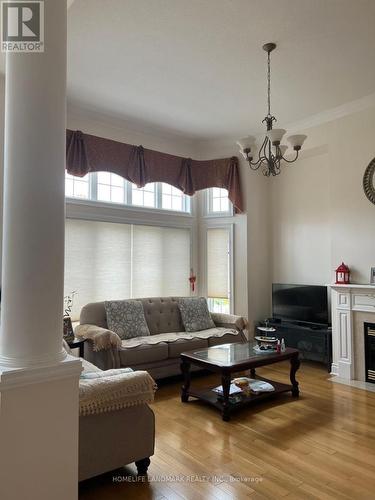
(271, 153)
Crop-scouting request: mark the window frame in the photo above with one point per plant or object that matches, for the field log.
(92, 200)
(208, 203)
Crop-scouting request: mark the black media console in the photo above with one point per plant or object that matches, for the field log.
(314, 343)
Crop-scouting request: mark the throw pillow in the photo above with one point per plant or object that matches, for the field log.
(195, 314)
(126, 318)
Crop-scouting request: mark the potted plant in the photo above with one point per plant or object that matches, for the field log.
(68, 306)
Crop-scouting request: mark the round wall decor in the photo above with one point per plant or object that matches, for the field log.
(368, 181)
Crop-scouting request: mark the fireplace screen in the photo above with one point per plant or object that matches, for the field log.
(370, 351)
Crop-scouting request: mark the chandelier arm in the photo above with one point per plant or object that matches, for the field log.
(254, 165)
(263, 148)
(257, 163)
(291, 161)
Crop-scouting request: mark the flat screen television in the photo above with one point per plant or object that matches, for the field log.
(300, 303)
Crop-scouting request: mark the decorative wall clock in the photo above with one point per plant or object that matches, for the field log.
(368, 181)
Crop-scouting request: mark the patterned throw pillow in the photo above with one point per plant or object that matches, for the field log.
(126, 318)
(195, 314)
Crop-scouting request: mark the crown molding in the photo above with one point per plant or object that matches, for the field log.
(332, 114)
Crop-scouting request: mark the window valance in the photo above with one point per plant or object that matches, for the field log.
(88, 153)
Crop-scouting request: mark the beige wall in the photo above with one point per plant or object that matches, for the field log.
(320, 215)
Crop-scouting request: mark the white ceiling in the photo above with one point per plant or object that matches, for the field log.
(196, 67)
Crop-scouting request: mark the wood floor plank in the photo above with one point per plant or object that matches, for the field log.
(319, 446)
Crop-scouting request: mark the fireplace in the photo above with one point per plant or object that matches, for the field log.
(369, 329)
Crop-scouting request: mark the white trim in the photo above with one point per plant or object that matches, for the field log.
(123, 211)
(125, 208)
(332, 114)
(11, 378)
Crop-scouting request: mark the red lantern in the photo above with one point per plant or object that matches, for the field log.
(342, 275)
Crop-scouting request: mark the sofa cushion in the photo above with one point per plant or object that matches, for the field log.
(195, 314)
(126, 318)
(162, 315)
(179, 346)
(142, 354)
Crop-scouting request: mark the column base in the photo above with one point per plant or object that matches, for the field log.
(34, 362)
(345, 370)
(39, 410)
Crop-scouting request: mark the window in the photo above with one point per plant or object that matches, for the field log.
(105, 261)
(112, 188)
(144, 197)
(218, 201)
(218, 269)
(77, 187)
(174, 199)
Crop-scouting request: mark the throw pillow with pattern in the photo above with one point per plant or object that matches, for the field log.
(195, 314)
(126, 318)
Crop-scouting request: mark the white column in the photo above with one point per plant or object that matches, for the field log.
(38, 382)
(33, 227)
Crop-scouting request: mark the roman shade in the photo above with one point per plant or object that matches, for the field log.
(218, 263)
(88, 153)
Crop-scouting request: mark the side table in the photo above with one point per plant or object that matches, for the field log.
(77, 343)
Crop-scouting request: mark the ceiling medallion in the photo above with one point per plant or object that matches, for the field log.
(271, 153)
(368, 181)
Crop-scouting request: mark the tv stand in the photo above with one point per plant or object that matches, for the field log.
(313, 341)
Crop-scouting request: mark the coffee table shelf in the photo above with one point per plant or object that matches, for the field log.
(212, 398)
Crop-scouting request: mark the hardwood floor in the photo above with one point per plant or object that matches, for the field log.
(321, 445)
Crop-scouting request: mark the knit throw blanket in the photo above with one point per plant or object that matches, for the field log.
(174, 337)
(104, 339)
(114, 390)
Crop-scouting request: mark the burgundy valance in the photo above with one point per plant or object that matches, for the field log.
(87, 153)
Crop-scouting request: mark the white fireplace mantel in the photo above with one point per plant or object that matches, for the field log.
(346, 300)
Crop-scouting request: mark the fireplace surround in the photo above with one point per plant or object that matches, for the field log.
(353, 306)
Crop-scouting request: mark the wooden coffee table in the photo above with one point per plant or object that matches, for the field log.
(228, 359)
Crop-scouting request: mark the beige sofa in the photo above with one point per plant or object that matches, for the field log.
(159, 354)
(110, 440)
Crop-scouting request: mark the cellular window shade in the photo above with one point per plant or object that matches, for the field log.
(161, 261)
(218, 263)
(109, 261)
(97, 261)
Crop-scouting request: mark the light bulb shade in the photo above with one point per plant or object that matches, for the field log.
(275, 135)
(283, 149)
(296, 141)
(246, 142)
